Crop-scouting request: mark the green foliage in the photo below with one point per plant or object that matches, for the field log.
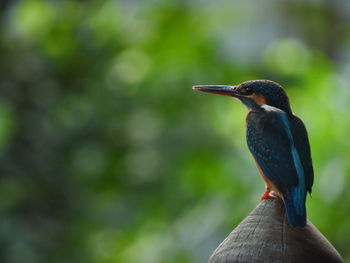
(107, 155)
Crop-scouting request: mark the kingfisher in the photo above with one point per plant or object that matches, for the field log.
(278, 141)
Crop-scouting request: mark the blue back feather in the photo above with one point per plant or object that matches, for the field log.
(295, 203)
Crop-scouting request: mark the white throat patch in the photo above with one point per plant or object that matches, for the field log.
(270, 108)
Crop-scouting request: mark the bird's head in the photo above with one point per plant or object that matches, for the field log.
(254, 94)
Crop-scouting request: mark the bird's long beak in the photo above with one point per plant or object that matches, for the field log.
(219, 89)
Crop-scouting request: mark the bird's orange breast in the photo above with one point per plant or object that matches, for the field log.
(268, 182)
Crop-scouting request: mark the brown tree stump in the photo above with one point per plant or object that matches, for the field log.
(266, 236)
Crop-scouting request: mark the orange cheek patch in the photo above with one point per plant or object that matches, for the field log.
(259, 99)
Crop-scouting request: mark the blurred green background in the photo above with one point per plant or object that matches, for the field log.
(108, 155)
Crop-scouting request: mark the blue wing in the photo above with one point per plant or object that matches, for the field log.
(302, 145)
(270, 140)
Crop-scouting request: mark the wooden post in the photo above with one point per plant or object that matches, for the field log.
(266, 236)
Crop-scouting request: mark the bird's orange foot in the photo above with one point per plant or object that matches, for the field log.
(268, 195)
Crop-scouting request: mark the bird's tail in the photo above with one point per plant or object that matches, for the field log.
(295, 208)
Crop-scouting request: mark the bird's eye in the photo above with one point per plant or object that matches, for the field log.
(246, 90)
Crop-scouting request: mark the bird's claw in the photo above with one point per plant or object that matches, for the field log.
(268, 195)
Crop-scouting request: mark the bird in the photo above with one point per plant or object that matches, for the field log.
(278, 141)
